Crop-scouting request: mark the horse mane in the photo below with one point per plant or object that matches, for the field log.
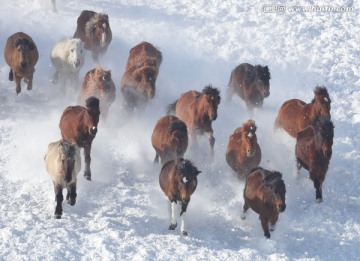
(186, 167)
(67, 148)
(271, 178)
(264, 73)
(249, 126)
(321, 91)
(177, 125)
(208, 89)
(92, 102)
(170, 109)
(24, 41)
(94, 20)
(326, 127)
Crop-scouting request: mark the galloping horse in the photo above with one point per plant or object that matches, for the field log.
(313, 151)
(251, 83)
(198, 110)
(178, 180)
(295, 115)
(79, 125)
(264, 193)
(243, 151)
(169, 138)
(63, 164)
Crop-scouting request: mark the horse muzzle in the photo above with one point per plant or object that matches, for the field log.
(266, 94)
(282, 208)
(213, 117)
(93, 131)
(77, 63)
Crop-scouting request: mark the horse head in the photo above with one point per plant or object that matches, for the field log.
(23, 47)
(324, 141)
(262, 79)
(249, 138)
(92, 115)
(98, 29)
(187, 178)
(67, 156)
(76, 55)
(145, 78)
(212, 101)
(322, 102)
(273, 180)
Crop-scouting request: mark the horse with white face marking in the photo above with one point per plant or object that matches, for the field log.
(63, 164)
(178, 180)
(68, 58)
(94, 30)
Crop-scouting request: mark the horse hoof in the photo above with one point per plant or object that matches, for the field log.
(243, 216)
(57, 216)
(71, 202)
(319, 200)
(184, 233)
(172, 226)
(87, 177)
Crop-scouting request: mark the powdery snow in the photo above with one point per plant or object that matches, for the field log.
(122, 213)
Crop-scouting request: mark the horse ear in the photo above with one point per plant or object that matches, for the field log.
(197, 172)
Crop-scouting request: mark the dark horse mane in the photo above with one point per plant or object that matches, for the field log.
(326, 127)
(186, 167)
(92, 102)
(270, 178)
(208, 89)
(177, 125)
(321, 91)
(261, 71)
(24, 41)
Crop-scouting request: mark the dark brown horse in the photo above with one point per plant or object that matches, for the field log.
(178, 180)
(313, 151)
(295, 115)
(243, 151)
(94, 30)
(79, 125)
(63, 164)
(251, 83)
(264, 193)
(138, 81)
(98, 83)
(169, 138)
(198, 110)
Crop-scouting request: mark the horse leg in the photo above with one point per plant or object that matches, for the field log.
(265, 225)
(184, 205)
(17, 80)
(156, 160)
(245, 208)
(318, 188)
(59, 199)
(29, 82)
(273, 221)
(172, 212)
(71, 194)
(55, 78)
(212, 142)
(11, 75)
(62, 82)
(229, 94)
(87, 172)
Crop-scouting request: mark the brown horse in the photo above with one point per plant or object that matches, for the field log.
(251, 83)
(138, 81)
(94, 30)
(264, 193)
(98, 83)
(79, 125)
(63, 164)
(243, 151)
(21, 54)
(313, 151)
(295, 115)
(169, 139)
(198, 111)
(178, 180)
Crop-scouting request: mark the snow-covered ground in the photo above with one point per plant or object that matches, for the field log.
(122, 213)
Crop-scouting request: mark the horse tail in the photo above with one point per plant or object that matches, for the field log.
(177, 125)
(170, 109)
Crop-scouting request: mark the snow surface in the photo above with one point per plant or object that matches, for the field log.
(122, 213)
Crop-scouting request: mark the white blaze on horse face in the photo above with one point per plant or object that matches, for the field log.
(250, 135)
(326, 99)
(103, 36)
(185, 180)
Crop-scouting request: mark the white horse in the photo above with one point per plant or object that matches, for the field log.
(68, 58)
(63, 164)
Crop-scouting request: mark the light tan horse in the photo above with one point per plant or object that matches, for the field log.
(63, 164)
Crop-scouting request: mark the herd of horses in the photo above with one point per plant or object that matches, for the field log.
(191, 115)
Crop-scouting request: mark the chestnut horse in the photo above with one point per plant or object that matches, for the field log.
(243, 151)
(178, 180)
(198, 110)
(94, 30)
(169, 139)
(313, 151)
(295, 115)
(251, 83)
(79, 125)
(98, 83)
(264, 193)
(63, 164)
